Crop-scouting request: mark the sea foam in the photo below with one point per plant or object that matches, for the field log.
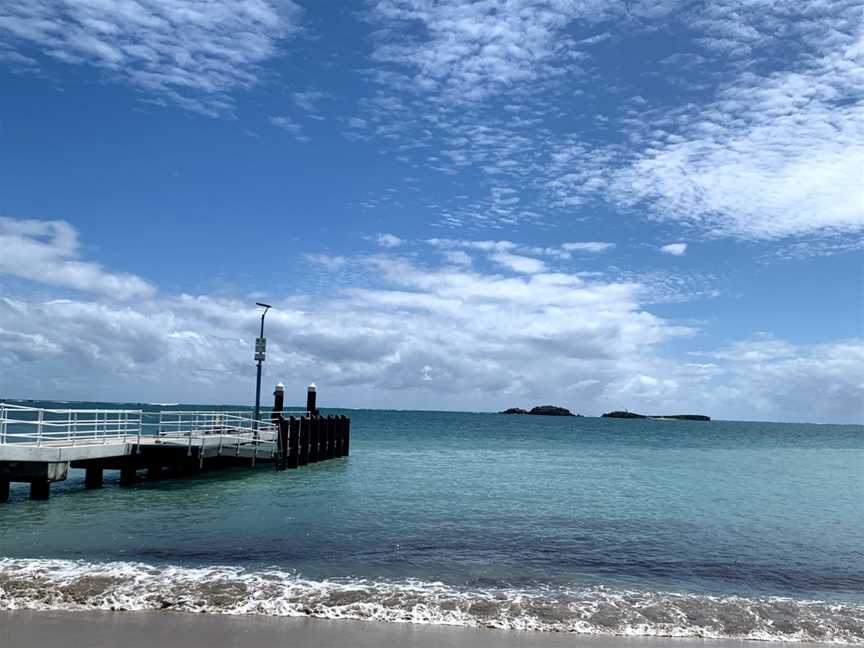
(76, 585)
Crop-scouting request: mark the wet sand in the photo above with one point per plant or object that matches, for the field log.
(23, 629)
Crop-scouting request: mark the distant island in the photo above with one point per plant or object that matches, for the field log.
(541, 410)
(674, 417)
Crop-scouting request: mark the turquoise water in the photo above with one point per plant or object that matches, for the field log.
(582, 524)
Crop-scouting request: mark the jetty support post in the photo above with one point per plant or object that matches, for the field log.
(278, 402)
(293, 443)
(346, 445)
(311, 399)
(331, 437)
(282, 442)
(4, 490)
(340, 436)
(40, 489)
(322, 439)
(128, 473)
(303, 442)
(93, 476)
(314, 428)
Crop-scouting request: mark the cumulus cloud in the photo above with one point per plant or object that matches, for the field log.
(518, 263)
(389, 240)
(775, 379)
(184, 52)
(411, 334)
(675, 249)
(48, 252)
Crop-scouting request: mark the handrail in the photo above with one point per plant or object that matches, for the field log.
(75, 426)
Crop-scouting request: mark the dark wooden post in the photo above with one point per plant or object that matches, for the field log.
(40, 489)
(278, 402)
(331, 437)
(293, 443)
(347, 444)
(323, 440)
(127, 474)
(303, 442)
(343, 433)
(4, 491)
(314, 426)
(337, 437)
(93, 476)
(311, 398)
(154, 472)
(282, 446)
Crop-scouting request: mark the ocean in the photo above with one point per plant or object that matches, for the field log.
(584, 525)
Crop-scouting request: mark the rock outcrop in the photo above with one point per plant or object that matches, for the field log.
(540, 410)
(673, 417)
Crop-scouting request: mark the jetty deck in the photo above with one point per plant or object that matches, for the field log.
(39, 445)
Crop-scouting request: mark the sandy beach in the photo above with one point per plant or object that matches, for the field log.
(22, 629)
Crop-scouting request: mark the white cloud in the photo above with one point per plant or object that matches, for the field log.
(308, 100)
(48, 252)
(675, 249)
(458, 257)
(389, 241)
(329, 261)
(518, 263)
(471, 50)
(766, 141)
(774, 156)
(287, 124)
(587, 246)
(182, 51)
(408, 335)
(772, 379)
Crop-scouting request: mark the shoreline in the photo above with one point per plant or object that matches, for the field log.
(169, 629)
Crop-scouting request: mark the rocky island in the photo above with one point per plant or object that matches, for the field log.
(540, 410)
(673, 417)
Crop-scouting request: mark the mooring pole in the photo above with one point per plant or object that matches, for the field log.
(311, 397)
(278, 402)
(260, 350)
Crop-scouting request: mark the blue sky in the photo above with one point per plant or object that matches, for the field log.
(451, 205)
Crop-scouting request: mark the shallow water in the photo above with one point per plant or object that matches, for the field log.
(583, 524)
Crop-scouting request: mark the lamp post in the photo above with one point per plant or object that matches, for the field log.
(260, 350)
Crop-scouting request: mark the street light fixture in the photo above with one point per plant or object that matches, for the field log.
(260, 351)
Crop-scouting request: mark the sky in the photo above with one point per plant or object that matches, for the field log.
(645, 205)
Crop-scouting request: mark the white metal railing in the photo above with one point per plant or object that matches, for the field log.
(35, 426)
(42, 426)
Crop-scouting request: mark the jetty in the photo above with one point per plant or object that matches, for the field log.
(38, 445)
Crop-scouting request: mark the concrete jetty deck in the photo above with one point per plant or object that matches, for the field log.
(38, 445)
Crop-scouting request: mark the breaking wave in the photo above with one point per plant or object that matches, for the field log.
(78, 585)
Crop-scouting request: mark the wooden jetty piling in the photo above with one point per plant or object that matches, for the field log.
(293, 443)
(347, 443)
(94, 476)
(314, 428)
(38, 446)
(303, 443)
(278, 402)
(311, 398)
(331, 437)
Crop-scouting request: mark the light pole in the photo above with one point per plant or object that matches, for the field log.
(260, 350)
